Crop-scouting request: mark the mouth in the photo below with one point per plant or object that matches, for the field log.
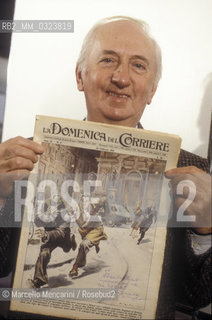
(118, 95)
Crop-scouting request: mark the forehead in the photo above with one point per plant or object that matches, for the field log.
(124, 37)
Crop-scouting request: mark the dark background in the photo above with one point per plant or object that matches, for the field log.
(6, 13)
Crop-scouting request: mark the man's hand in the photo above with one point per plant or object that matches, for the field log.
(40, 232)
(198, 189)
(17, 159)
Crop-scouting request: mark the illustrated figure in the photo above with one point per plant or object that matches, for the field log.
(146, 220)
(56, 233)
(92, 232)
(136, 222)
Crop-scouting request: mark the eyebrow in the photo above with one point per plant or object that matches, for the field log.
(109, 52)
(141, 58)
(137, 56)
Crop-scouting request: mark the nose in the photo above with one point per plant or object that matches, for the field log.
(120, 76)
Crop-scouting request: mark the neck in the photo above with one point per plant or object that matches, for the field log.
(125, 123)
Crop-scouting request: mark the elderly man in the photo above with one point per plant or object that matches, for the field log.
(118, 70)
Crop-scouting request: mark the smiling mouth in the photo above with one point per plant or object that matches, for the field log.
(118, 95)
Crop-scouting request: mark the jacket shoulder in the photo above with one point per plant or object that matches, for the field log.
(190, 159)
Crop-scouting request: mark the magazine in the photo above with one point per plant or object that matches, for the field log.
(94, 228)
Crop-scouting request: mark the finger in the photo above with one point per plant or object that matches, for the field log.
(29, 144)
(179, 177)
(20, 151)
(197, 219)
(16, 163)
(184, 187)
(186, 206)
(190, 205)
(175, 182)
(199, 182)
(182, 171)
(19, 174)
(14, 175)
(39, 232)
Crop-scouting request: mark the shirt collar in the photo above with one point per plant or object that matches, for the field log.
(139, 125)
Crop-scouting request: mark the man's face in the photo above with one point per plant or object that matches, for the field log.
(118, 80)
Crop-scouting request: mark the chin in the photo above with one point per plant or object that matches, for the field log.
(118, 121)
(115, 118)
(117, 115)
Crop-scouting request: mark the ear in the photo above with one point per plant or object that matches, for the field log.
(149, 100)
(78, 74)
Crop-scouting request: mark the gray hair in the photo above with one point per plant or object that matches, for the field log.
(89, 38)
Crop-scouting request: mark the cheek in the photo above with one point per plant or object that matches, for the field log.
(141, 92)
(97, 85)
(92, 80)
(92, 90)
(144, 89)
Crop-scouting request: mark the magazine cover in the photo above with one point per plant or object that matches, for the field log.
(94, 228)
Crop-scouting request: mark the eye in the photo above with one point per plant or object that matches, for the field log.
(107, 60)
(139, 66)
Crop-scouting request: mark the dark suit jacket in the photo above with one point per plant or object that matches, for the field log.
(186, 277)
